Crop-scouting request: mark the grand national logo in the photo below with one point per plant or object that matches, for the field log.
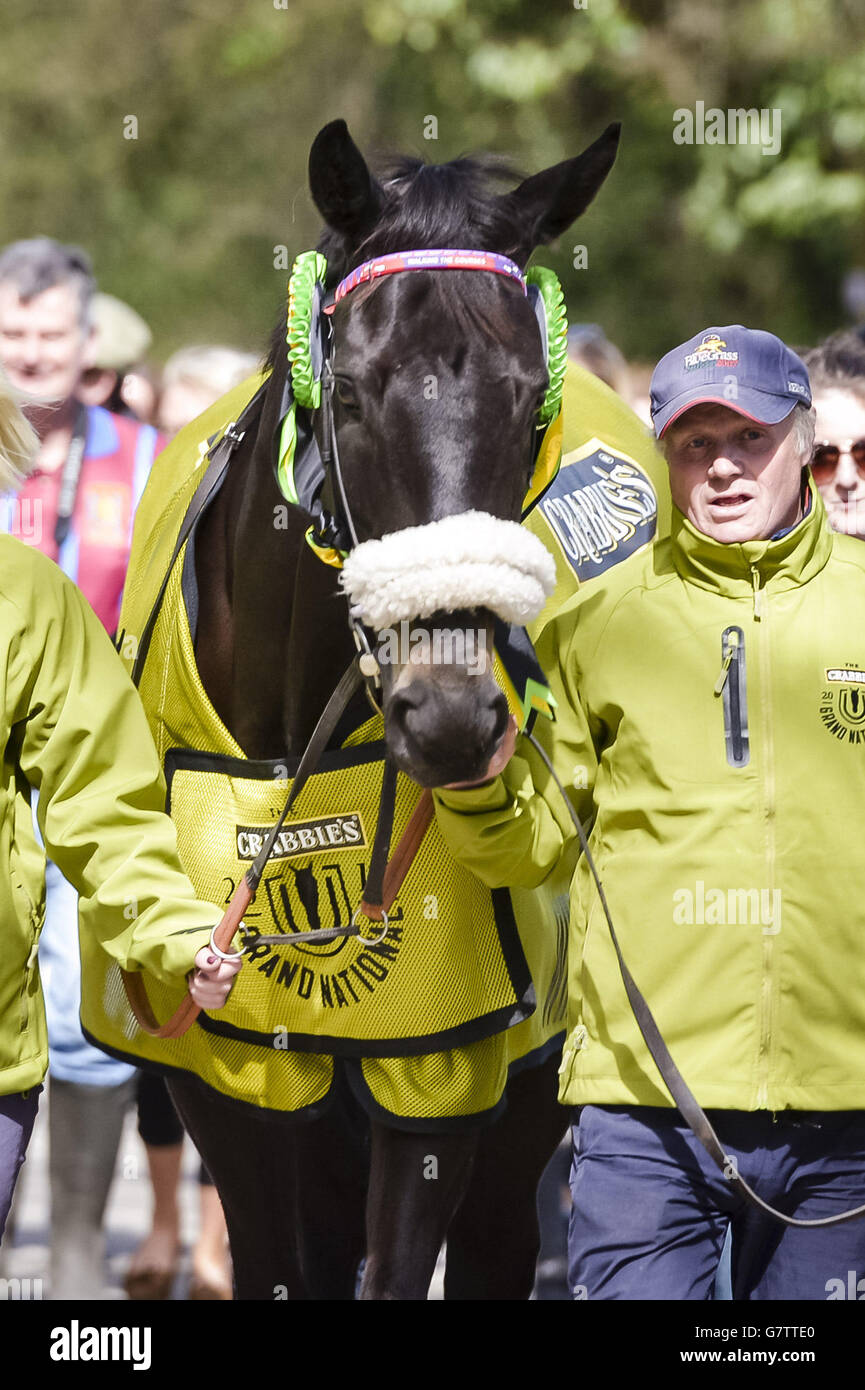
(311, 889)
(600, 509)
(842, 703)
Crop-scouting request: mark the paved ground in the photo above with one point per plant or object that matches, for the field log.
(26, 1254)
(127, 1216)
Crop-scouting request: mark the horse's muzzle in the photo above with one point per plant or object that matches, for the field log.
(440, 732)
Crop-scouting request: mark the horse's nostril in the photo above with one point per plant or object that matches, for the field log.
(402, 704)
(499, 706)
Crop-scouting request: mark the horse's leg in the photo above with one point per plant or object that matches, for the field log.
(493, 1240)
(251, 1158)
(416, 1182)
(332, 1173)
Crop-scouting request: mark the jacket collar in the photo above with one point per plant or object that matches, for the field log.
(738, 568)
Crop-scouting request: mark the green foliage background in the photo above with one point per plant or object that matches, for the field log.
(228, 94)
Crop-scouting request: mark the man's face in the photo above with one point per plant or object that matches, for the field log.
(733, 478)
(43, 346)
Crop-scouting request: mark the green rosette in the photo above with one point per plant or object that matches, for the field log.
(551, 293)
(308, 269)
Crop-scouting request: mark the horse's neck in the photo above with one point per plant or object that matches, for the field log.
(272, 638)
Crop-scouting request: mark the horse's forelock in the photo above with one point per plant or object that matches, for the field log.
(428, 205)
(456, 204)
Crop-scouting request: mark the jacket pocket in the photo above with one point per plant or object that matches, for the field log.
(731, 685)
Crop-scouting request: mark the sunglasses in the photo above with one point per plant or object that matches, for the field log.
(827, 456)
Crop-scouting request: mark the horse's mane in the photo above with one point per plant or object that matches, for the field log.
(425, 205)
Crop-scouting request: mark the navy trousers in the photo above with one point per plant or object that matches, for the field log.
(651, 1209)
(17, 1116)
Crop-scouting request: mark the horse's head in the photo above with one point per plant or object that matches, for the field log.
(439, 382)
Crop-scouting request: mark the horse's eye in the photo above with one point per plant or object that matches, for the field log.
(345, 395)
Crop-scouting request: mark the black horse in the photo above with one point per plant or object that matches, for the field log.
(272, 640)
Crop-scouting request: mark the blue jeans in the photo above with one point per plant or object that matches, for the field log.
(72, 1058)
(651, 1210)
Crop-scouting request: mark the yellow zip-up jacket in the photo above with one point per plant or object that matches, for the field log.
(72, 725)
(712, 724)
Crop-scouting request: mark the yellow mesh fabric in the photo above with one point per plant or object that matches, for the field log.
(273, 1078)
(442, 920)
(462, 1081)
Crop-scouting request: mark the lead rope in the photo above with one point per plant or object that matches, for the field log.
(689, 1107)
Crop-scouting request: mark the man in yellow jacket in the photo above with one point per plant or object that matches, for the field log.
(712, 726)
(72, 726)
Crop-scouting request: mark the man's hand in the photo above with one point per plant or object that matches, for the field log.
(212, 979)
(499, 760)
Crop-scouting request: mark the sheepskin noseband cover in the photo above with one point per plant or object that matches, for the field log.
(472, 560)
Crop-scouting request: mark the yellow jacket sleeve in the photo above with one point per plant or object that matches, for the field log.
(82, 739)
(512, 831)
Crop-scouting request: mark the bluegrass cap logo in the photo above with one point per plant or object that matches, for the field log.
(712, 350)
(842, 704)
(743, 369)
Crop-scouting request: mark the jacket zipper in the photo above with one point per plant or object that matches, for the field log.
(731, 686)
(758, 593)
(24, 997)
(766, 990)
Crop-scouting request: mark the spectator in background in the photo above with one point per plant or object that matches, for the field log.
(589, 345)
(837, 371)
(194, 378)
(118, 377)
(76, 506)
(640, 377)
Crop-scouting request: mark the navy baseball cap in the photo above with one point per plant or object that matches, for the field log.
(749, 371)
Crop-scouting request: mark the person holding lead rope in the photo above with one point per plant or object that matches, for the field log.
(72, 727)
(711, 730)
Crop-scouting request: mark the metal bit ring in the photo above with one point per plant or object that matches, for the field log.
(368, 940)
(227, 955)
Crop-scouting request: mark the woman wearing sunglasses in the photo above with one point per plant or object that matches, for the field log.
(837, 371)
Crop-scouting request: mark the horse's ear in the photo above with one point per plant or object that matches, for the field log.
(546, 204)
(343, 189)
